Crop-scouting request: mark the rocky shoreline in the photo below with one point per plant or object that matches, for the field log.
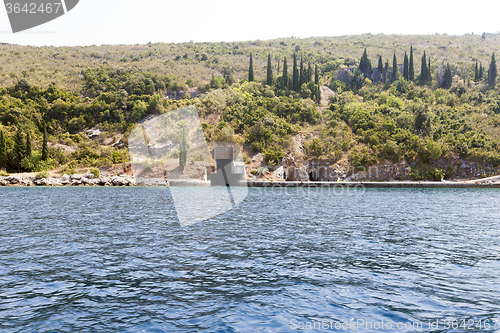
(68, 180)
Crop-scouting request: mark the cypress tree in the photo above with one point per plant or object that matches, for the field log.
(380, 65)
(45, 153)
(3, 151)
(423, 71)
(365, 65)
(28, 145)
(316, 75)
(386, 70)
(301, 75)
(230, 78)
(448, 79)
(250, 69)
(212, 82)
(19, 149)
(429, 71)
(285, 74)
(394, 68)
(406, 73)
(269, 71)
(411, 69)
(481, 71)
(492, 72)
(476, 73)
(295, 77)
(309, 73)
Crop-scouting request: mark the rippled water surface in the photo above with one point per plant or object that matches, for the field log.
(115, 259)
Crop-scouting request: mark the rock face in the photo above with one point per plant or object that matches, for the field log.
(297, 174)
(280, 173)
(324, 174)
(287, 161)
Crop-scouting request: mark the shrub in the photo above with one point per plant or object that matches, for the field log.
(96, 172)
(273, 155)
(3, 174)
(70, 168)
(34, 163)
(262, 171)
(41, 175)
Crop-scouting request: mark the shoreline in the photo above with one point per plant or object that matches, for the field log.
(394, 184)
(123, 181)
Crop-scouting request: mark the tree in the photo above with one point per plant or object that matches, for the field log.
(228, 76)
(356, 81)
(302, 74)
(448, 78)
(429, 71)
(250, 69)
(411, 68)
(424, 72)
(394, 68)
(380, 65)
(386, 70)
(183, 144)
(492, 72)
(285, 74)
(481, 71)
(316, 75)
(309, 73)
(19, 149)
(28, 145)
(269, 71)
(295, 77)
(406, 72)
(212, 82)
(365, 65)
(476, 73)
(3, 151)
(45, 153)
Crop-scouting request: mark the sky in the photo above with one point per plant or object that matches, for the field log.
(97, 22)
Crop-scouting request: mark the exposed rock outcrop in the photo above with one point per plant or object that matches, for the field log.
(297, 174)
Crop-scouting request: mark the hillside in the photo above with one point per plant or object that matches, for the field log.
(408, 129)
(42, 66)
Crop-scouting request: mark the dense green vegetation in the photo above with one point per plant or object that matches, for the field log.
(255, 99)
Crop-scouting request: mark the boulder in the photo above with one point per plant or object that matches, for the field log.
(66, 178)
(85, 181)
(119, 181)
(89, 176)
(103, 181)
(76, 176)
(280, 173)
(3, 182)
(40, 182)
(53, 182)
(76, 182)
(26, 182)
(13, 180)
(297, 174)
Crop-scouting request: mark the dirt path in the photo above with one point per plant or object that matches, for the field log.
(326, 93)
